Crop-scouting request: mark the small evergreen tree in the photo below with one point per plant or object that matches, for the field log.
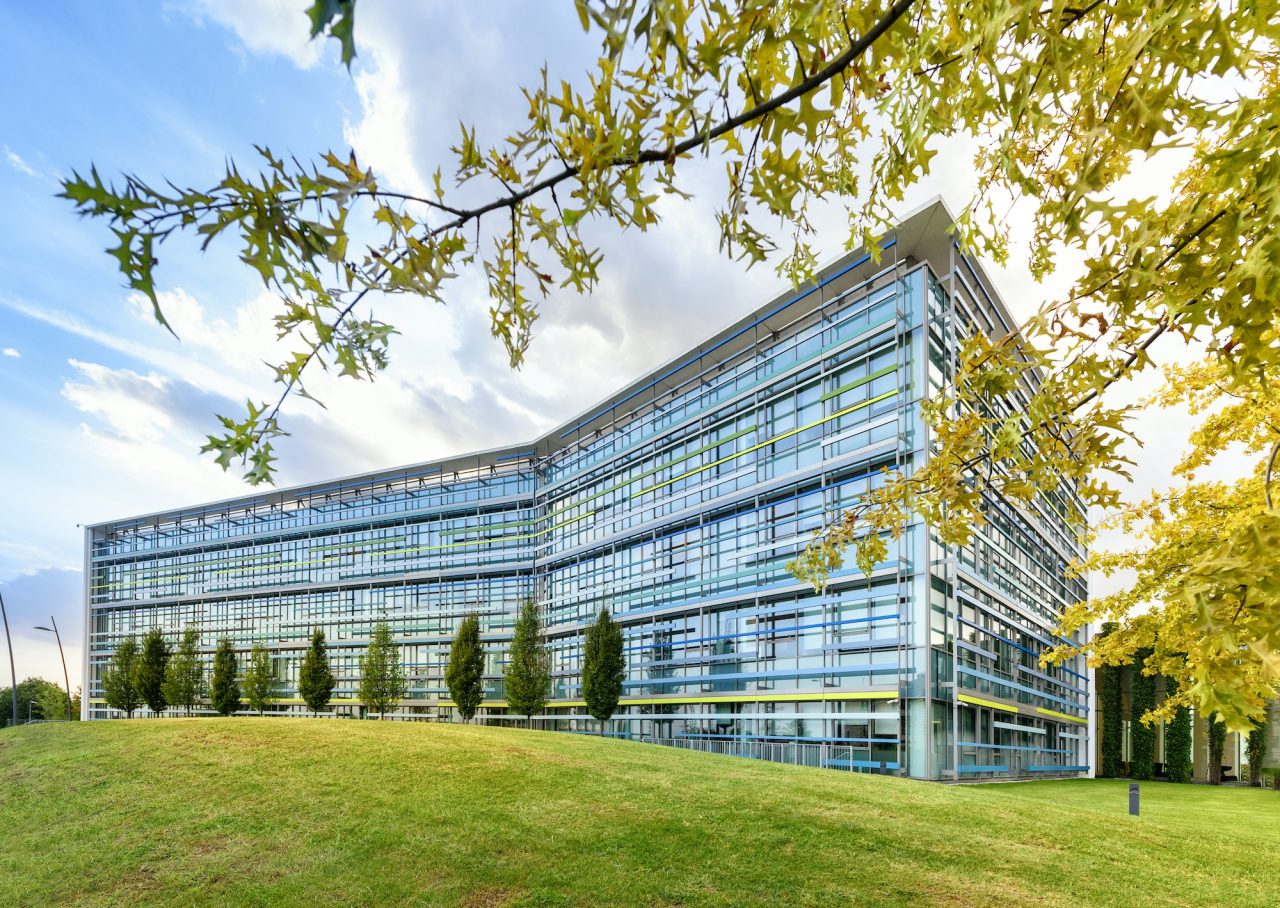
(259, 680)
(118, 685)
(1112, 722)
(1143, 736)
(224, 690)
(382, 680)
(465, 674)
(1256, 751)
(150, 669)
(1177, 739)
(528, 672)
(1217, 741)
(603, 667)
(184, 676)
(1112, 730)
(315, 678)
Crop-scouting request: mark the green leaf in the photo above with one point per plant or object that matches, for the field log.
(323, 14)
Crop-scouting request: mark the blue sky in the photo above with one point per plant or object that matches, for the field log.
(102, 411)
(153, 88)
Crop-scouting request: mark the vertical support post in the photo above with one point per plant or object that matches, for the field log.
(13, 672)
(86, 680)
(1133, 799)
(65, 677)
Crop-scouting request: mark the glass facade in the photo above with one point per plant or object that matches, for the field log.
(677, 504)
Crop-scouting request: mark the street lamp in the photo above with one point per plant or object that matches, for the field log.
(65, 677)
(12, 670)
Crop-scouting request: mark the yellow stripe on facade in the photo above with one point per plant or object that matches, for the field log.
(1057, 715)
(799, 696)
(707, 698)
(978, 701)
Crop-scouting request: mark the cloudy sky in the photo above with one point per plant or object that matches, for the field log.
(102, 411)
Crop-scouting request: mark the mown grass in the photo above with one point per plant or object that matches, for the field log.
(281, 812)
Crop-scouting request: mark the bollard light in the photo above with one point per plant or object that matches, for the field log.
(1133, 799)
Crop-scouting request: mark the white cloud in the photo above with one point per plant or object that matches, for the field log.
(421, 69)
(168, 361)
(382, 135)
(44, 173)
(18, 164)
(11, 353)
(123, 398)
(265, 26)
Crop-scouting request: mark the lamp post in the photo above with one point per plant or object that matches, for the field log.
(65, 677)
(12, 671)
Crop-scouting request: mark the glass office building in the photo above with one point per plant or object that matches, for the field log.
(677, 503)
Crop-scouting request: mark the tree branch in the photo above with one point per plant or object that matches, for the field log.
(648, 156)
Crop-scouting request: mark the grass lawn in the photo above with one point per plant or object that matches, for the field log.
(266, 812)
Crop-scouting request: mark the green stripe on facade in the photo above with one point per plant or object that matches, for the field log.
(859, 383)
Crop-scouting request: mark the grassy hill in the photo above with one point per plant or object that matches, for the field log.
(251, 812)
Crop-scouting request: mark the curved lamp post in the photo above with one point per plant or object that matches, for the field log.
(12, 670)
(65, 677)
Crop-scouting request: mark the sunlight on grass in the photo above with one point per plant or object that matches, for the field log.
(266, 812)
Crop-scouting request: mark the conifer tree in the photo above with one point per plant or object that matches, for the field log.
(184, 675)
(528, 672)
(118, 685)
(150, 669)
(1256, 751)
(315, 678)
(603, 667)
(224, 689)
(382, 680)
(465, 675)
(1142, 699)
(259, 680)
(1177, 739)
(1112, 722)
(1217, 741)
